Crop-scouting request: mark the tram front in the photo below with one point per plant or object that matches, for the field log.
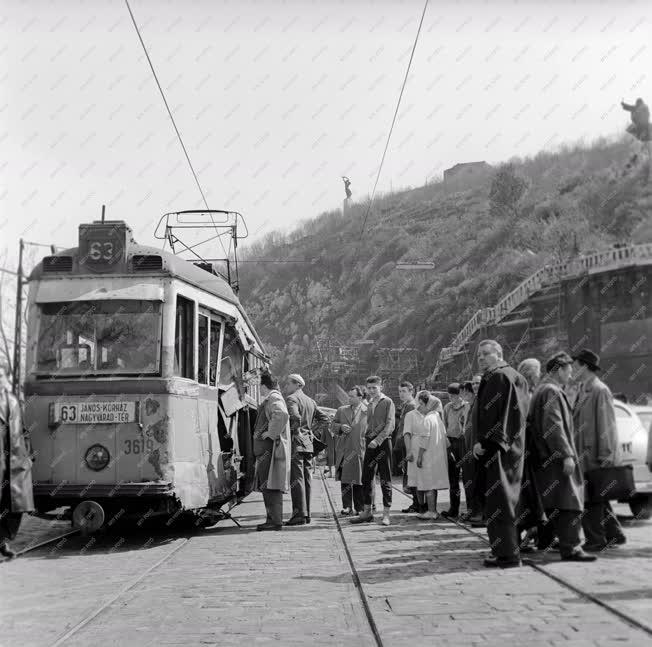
(94, 348)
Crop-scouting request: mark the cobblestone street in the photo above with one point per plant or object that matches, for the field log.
(424, 583)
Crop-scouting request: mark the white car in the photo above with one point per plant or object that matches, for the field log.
(634, 437)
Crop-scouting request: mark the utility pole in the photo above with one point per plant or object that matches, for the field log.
(19, 320)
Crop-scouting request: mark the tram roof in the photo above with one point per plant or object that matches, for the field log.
(172, 265)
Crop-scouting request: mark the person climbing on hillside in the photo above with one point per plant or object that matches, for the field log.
(640, 115)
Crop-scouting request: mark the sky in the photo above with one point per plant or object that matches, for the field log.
(276, 100)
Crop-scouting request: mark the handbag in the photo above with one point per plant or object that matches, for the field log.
(606, 483)
(317, 446)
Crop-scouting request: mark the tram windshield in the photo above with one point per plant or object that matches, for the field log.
(99, 337)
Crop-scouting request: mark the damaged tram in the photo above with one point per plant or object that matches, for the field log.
(140, 390)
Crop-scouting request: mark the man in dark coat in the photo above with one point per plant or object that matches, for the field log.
(15, 466)
(455, 414)
(304, 415)
(499, 419)
(557, 471)
(473, 514)
(596, 440)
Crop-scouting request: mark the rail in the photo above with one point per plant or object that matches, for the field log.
(547, 275)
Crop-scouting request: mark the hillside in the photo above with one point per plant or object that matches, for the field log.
(484, 241)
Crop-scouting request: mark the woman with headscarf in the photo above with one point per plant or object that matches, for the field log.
(426, 450)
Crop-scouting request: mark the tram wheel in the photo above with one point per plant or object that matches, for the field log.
(88, 516)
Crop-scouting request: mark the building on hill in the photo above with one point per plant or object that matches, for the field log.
(466, 174)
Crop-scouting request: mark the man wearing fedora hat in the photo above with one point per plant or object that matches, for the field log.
(304, 413)
(596, 440)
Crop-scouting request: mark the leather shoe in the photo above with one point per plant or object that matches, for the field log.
(450, 514)
(268, 526)
(495, 562)
(578, 556)
(410, 509)
(295, 521)
(620, 540)
(362, 518)
(307, 519)
(594, 548)
(5, 551)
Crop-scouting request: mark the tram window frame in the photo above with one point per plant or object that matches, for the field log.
(203, 349)
(184, 337)
(214, 319)
(214, 366)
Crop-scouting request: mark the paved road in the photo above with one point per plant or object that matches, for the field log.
(424, 583)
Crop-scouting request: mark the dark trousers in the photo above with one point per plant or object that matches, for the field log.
(600, 523)
(565, 525)
(9, 524)
(456, 453)
(469, 475)
(300, 483)
(503, 536)
(273, 500)
(378, 459)
(352, 497)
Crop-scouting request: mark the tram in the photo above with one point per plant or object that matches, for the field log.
(140, 389)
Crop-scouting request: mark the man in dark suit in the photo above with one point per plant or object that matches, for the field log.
(499, 419)
(304, 414)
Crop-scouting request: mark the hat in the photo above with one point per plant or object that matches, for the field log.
(295, 377)
(557, 361)
(589, 358)
(454, 388)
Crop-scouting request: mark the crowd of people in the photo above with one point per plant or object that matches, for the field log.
(531, 453)
(526, 449)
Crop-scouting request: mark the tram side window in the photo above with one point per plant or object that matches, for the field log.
(184, 338)
(231, 365)
(202, 354)
(215, 349)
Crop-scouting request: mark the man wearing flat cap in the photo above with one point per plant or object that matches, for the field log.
(556, 465)
(304, 415)
(596, 440)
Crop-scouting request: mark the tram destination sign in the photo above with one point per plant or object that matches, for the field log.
(91, 413)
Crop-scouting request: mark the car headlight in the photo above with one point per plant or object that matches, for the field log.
(97, 457)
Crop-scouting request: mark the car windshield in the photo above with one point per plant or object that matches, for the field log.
(99, 337)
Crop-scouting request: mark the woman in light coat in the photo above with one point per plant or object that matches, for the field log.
(426, 448)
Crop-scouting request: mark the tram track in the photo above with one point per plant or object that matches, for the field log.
(354, 571)
(624, 617)
(47, 542)
(125, 589)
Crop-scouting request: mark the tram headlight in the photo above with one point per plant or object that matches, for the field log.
(97, 457)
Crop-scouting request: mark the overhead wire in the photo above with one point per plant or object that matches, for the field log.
(174, 123)
(391, 128)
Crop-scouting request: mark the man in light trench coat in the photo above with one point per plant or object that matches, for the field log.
(556, 465)
(15, 466)
(272, 451)
(349, 426)
(596, 439)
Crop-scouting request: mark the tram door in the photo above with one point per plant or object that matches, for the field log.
(209, 333)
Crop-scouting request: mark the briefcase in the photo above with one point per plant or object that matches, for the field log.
(609, 483)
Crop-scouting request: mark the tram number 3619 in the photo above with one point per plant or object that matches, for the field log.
(138, 446)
